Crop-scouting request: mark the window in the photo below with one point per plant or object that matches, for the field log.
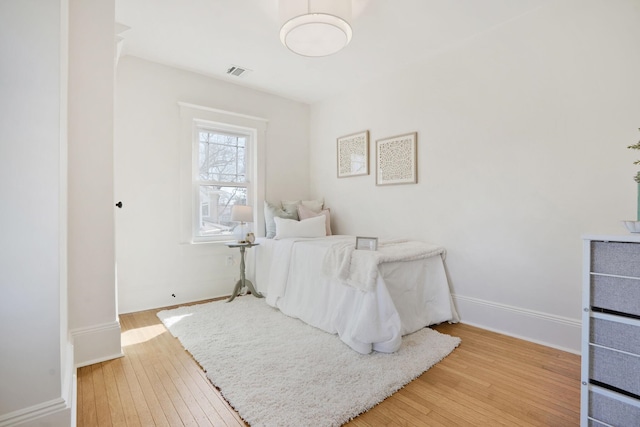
(221, 178)
(222, 164)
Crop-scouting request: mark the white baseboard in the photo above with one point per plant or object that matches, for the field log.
(558, 332)
(153, 297)
(97, 343)
(55, 412)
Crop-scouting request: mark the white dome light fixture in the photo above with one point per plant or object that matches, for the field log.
(315, 27)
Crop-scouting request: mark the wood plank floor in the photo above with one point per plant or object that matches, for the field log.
(489, 380)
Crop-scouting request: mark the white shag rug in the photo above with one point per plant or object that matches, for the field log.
(278, 371)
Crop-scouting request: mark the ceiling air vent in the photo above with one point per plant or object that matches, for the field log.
(237, 71)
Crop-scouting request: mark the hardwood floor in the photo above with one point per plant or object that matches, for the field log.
(489, 380)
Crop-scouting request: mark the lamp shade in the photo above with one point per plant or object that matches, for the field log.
(315, 27)
(241, 213)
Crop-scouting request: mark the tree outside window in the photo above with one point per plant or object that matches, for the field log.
(222, 179)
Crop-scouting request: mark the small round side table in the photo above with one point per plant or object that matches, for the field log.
(243, 281)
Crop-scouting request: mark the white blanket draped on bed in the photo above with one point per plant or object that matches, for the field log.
(404, 297)
(279, 255)
(359, 268)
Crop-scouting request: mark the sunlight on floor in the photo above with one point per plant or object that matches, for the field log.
(170, 321)
(138, 335)
(146, 333)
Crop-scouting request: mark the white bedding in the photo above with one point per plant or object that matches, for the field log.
(404, 297)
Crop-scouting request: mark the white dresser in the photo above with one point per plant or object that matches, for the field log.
(610, 389)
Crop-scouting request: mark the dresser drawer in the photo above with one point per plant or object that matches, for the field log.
(622, 259)
(615, 369)
(613, 412)
(616, 335)
(616, 293)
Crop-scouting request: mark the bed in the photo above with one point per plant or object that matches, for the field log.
(370, 299)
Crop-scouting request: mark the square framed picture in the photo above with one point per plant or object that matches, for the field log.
(353, 154)
(367, 243)
(396, 159)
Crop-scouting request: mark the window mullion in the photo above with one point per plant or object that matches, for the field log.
(222, 183)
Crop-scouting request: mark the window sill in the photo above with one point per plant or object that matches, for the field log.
(209, 242)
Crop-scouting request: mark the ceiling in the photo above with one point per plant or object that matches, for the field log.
(210, 36)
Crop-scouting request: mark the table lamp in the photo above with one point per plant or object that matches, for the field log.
(241, 214)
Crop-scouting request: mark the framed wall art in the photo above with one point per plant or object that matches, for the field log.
(353, 155)
(396, 160)
(367, 243)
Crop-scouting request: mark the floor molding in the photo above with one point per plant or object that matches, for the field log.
(97, 343)
(554, 331)
(45, 413)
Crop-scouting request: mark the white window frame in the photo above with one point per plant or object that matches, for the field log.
(221, 128)
(195, 117)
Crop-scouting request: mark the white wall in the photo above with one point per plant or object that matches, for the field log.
(152, 262)
(522, 135)
(93, 316)
(35, 361)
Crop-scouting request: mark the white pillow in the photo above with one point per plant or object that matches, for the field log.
(306, 213)
(312, 227)
(314, 205)
(271, 211)
(292, 205)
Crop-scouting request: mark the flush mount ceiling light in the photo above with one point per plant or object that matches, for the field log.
(315, 27)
